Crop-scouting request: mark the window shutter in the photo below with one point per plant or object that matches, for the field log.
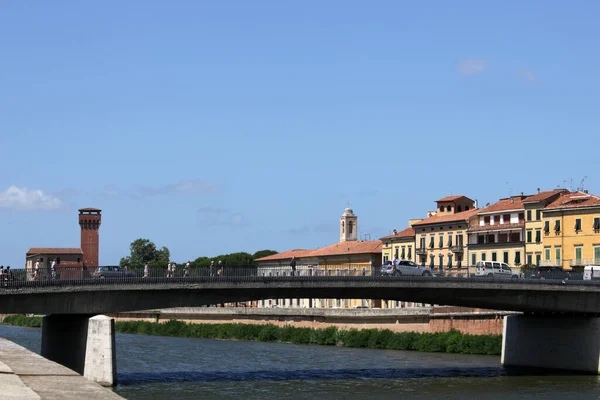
(596, 224)
(547, 227)
(432, 242)
(410, 253)
(517, 257)
(538, 236)
(557, 226)
(403, 253)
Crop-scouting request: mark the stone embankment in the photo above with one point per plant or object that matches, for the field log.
(418, 319)
(25, 375)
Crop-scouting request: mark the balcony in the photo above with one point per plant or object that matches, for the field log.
(496, 244)
(583, 261)
(422, 251)
(457, 249)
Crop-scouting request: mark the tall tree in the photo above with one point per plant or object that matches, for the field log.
(144, 251)
(263, 253)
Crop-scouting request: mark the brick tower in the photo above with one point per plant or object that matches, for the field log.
(89, 220)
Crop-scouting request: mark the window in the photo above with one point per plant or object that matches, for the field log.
(596, 254)
(538, 215)
(442, 209)
(529, 236)
(385, 258)
(596, 224)
(466, 208)
(441, 260)
(431, 241)
(578, 251)
(396, 252)
(558, 254)
(529, 259)
(517, 258)
(458, 260)
(486, 220)
(343, 227)
(450, 240)
(528, 215)
(483, 257)
(480, 239)
(557, 226)
(505, 257)
(547, 227)
(441, 242)
(506, 218)
(473, 259)
(450, 261)
(423, 242)
(449, 208)
(538, 235)
(459, 240)
(521, 217)
(350, 226)
(547, 253)
(409, 253)
(403, 253)
(494, 257)
(458, 208)
(431, 261)
(538, 258)
(577, 224)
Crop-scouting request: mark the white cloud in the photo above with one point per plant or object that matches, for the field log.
(472, 66)
(186, 186)
(28, 199)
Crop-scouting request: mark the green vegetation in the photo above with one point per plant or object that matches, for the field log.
(22, 320)
(443, 342)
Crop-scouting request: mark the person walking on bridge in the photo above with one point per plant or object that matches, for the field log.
(186, 270)
(53, 269)
(173, 266)
(212, 268)
(36, 270)
(146, 270)
(293, 265)
(169, 270)
(219, 268)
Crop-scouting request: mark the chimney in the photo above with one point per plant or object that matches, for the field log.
(395, 232)
(538, 190)
(585, 191)
(521, 194)
(476, 203)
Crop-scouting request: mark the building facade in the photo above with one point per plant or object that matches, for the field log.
(497, 233)
(571, 230)
(534, 206)
(441, 238)
(399, 245)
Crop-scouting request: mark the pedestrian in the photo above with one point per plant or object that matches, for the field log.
(173, 266)
(212, 268)
(169, 269)
(186, 269)
(53, 269)
(146, 270)
(293, 265)
(36, 270)
(8, 273)
(220, 268)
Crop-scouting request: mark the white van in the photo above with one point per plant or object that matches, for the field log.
(591, 272)
(493, 269)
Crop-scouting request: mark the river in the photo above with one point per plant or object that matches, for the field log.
(152, 367)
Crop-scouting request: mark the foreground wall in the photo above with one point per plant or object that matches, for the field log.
(432, 319)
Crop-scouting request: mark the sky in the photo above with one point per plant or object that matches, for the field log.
(218, 127)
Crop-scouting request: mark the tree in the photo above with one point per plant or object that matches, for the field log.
(263, 253)
(144, 251)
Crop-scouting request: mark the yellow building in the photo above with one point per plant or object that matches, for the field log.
(441, 238)
(571, 230)
(349, 257)
(497, 233)
(399, 245)
(534, 206)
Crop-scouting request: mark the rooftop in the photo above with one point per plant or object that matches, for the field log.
(407, 233)
(510, 203)
(542, 196)
(90, 209)
(349, 247)
(451, 198)
(571, 200)
(443, 218)
(54, 250)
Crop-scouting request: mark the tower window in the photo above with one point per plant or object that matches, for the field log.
(350, 226)
(343, 227)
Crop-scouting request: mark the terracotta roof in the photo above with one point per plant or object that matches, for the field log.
(438, 219)
(53, 250)
(496, 227)
(90, 209)
(407, 233)
(286, 255)
(574, 200)
(352, 247)
(542, 196)
(451, 198)
(511, 203)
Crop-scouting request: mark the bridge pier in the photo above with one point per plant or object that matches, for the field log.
(82, 342)
(555, 342)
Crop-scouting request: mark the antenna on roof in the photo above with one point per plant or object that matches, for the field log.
(367, 237)
(580, 188)
(509, 189)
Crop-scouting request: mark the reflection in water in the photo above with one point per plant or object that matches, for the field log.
(151, 367)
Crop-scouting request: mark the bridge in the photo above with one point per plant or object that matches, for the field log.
(560, 327)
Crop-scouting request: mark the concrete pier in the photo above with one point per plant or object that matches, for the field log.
(100, 355)
(64, 339)
(554, 342)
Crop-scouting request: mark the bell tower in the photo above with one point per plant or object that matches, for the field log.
(89, 221)
(348, 226)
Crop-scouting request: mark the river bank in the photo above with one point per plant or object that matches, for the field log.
(446, 342)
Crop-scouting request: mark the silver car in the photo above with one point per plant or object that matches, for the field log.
(494, 269)
(406, 267)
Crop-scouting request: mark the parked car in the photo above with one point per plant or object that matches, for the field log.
(112, 272)
(591, 272)
(405, 267)
(493, 269)
(550, 273)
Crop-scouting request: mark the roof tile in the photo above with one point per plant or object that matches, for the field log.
(457, 217)
(407, 233)
(574, 200)
(53, 250)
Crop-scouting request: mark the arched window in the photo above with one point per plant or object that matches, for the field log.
(350, 226)
(343, 227)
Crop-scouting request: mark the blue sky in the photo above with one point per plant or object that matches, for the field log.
(215, 127)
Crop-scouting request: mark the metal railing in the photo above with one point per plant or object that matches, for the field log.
(137, 276)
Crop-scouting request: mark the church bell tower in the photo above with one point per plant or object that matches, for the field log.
(348, 226)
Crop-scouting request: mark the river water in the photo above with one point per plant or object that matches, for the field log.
(152, 367)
